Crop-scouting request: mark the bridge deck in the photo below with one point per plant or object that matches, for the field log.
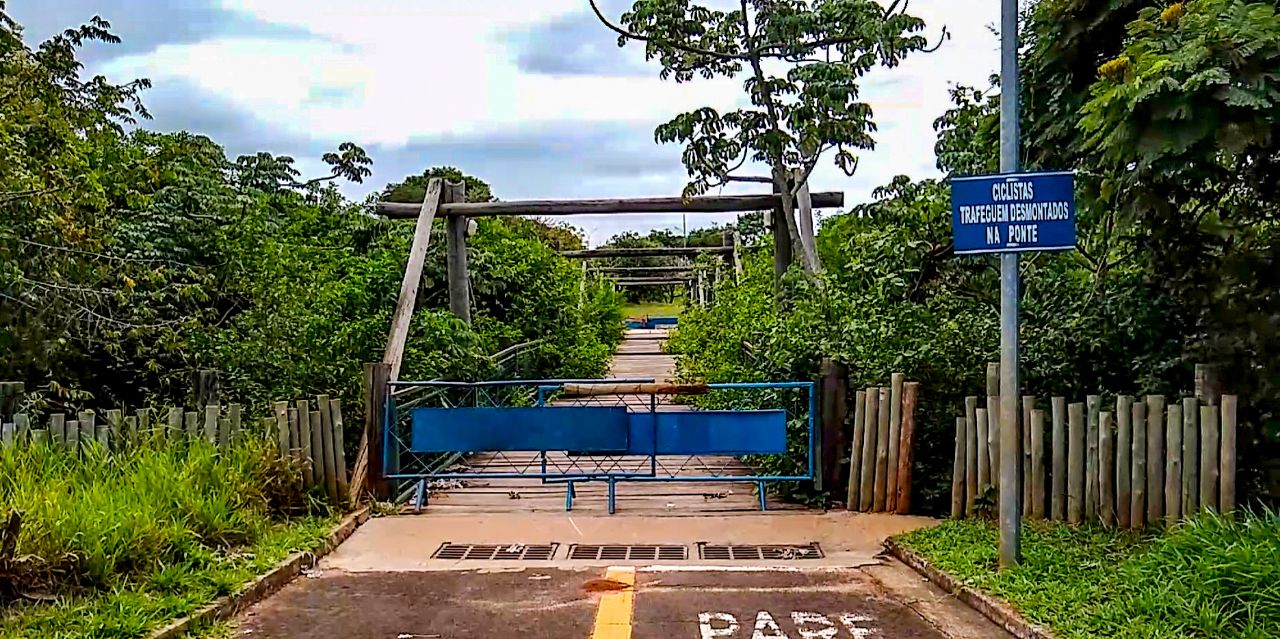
(639, 356)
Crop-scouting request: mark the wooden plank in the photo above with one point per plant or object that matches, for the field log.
(993, 434)
(1227, 455)
(321, 468)
(1155, 458)
(958, 472)
(1124, 461)
(907, 445)
(1028, 405)
(280, 410)
(1058, 445)
(303, 412)
(895, 434)
(1209, 455)
(1093, 404)
(1037, 464)
(652, 251)
(115, 423)
(1173, 464)
(211, 424)
(234, 416)
(327, 453)
(339, 447)
(855, 449)
(984, 452)
(394, 354)
(610, 206)
(1138, 478)
(569, 391)
(866, 492)
(58, 430)
(1075, 462)
(971, 486)
(1106, 469)
(1190, 456)
(882, 451)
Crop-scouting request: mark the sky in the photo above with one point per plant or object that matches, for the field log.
(533, 96)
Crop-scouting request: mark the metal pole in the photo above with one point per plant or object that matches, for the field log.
(1010, 435)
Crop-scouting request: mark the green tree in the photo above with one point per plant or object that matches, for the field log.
(802, 61)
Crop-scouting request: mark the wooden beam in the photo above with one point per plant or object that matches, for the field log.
(656, 251)
(705, 204)
(652, 282)
(689, 268)
(596, 390)
(394, 354)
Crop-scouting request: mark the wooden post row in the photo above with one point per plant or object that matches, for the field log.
(881, 450)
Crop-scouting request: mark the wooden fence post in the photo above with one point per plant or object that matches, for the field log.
(205, 390)
(855, 449)
(971, 487)
(1093, 404)
(1106, 470)
(866, 492)
(1209, 454)
(835, 413)
(1124, 465)
(895, 434)
(984, 450)
(1155, 458)
(1028, 405)
(1190, 456)
(1173, 464)
(907, 445)
(1227, 457)
(1037, 464)
(958, 471)
(993, 437)
(882, 451)
(1075, 462)
(1138, 478)
(369, 473)
(1058, 509)
(323, 419)
(339, 448)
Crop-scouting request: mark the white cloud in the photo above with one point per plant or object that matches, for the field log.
(392, 72)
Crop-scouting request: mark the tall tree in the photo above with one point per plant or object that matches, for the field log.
(802, 61)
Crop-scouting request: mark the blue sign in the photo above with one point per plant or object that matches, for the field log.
(1014, 212)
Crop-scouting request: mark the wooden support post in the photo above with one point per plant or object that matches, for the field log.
(1124, 461)
(1155, 458)
(855, 448)
(1138, 478)
(1227, 456)
(958, 471)
(394, 354)
(993, 437)
(211, 425)
(311, 472)
(895, 434)
(1209, 455)
(174, 426)
(323, 419)
(339, 448)
(1037, 464)
(456, 250)
(1075, 462)
(1028, 405)
(984, 450)
(1058, 507)
(906, 445)
(970, 454)
(319, 456)
(1173, 464)
(1190, 456)
(58, 430)
(280, 411)
(882, 451)
(835, 413)
(368, 474)
(1093, 404)
(866, 491)
(1106, 470)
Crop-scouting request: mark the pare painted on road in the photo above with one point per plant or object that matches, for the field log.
(796, 625)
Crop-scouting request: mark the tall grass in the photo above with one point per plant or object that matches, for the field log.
(1211, 577)
(97, 522)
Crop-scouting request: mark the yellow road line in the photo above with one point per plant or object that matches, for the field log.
(613, 616)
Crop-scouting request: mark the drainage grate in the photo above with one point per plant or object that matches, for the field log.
(714, 552)
(619, 552)
(490, 552)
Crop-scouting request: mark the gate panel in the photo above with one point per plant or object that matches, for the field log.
(589, 429)
(710, 432)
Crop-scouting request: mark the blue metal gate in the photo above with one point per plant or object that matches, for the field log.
(613, 431)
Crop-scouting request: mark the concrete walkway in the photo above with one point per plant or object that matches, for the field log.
(655, 570)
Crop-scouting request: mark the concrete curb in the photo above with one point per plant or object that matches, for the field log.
(999, 612)
(262, 587)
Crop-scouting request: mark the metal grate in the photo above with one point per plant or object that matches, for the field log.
(786, 552)
(620, 552)
(491, 552)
